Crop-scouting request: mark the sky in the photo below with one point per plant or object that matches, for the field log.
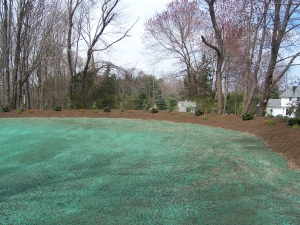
(128, 52)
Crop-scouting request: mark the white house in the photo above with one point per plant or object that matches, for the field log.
(281, 106)
(187, 106)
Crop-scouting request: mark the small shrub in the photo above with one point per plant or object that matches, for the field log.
(22, 108)
(172, 113)
(106, 109)
(161, 104)
(69, 105)
(271, 123)
(31, 111)
(19, 111)
(214, 109)
(171, 104)
(295, 126)
(94, 107)
(269, 115)
(279, 116)
(130, 111)
(182, 114)
(199, 112)
(154, 110)
(82, 110)
(223, 116)
(45, 106)
(247, 116)
(121, 108)
(146, 105)
(189, 109)
(293, 121)
(6, 109)
(57, 108)
(204, 117)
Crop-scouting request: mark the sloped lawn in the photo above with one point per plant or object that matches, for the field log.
(122, 171)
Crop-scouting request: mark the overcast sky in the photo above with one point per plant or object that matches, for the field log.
(128, 52)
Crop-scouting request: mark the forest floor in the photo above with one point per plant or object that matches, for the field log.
(281, 138)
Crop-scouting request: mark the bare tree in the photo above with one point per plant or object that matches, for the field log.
(255, 36)
(5, 48)
(72, 6)
(174, 33)
(284, 21)
(96, 39)
(219, 49)
(32, 29)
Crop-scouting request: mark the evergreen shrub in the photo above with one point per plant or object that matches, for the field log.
(106, 109)
(295, 126)
(146, 105)
(171, 104)
(121, 107)
(293, 121)
(6, 109)
(247, 116)
(45, 106)
(154, 110)
(161, 104)
(199, 112)
(57, 108)
(94, 107)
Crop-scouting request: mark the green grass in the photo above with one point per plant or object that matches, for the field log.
(118, 171)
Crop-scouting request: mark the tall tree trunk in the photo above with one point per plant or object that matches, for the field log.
(17, 56)
(250, 89)
(268, 82)
(283, 13)
(220, 53)
(84, 75)
(6, 53)
(69, 54)
(27, 92)
(71, 12)
(19, 94)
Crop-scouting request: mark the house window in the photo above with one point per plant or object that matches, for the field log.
(287, 112)
(290, 99)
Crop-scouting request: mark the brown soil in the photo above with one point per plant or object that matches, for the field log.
(281, 138)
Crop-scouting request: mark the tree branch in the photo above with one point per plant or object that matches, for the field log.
(211, 46)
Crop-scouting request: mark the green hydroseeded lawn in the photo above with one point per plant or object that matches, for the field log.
(122, 171)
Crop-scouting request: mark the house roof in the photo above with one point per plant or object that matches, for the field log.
(275, 103)
(289, 93)
(187, 103)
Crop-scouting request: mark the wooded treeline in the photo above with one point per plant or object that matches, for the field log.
(53, 53)
(51, 49)
(250, 44)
